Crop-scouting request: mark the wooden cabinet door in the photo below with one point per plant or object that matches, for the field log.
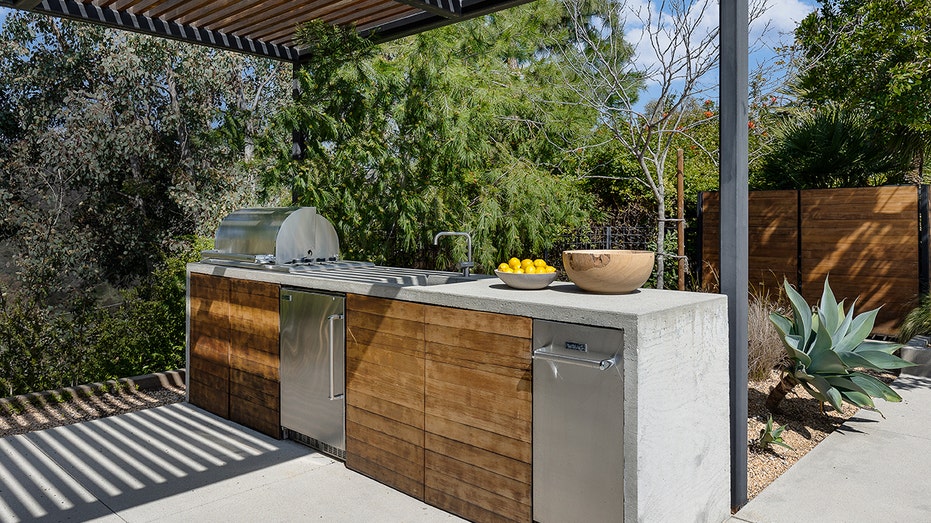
(209, 343)
(478, 414)
(254, 356)
(385, 391)
(234, 350)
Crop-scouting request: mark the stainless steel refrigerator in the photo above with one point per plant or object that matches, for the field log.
(313, 356)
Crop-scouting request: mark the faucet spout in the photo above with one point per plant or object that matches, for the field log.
(466, 265)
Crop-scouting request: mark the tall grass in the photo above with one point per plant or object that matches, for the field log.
(765, 351)
(917, 322)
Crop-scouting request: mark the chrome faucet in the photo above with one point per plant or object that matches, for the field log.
(466, 265)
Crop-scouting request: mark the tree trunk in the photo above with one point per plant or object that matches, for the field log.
(778, 393)
(660, 242)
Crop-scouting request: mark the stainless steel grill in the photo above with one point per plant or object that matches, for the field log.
(275, 235)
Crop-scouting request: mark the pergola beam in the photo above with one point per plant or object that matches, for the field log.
(451, 9)
(157, 27)
(426, 21)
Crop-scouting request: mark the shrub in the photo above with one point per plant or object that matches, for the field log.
(917, 322)
(765, 351)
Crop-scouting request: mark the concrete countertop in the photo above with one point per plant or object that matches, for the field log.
(558, 302)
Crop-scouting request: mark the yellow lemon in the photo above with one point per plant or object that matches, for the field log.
(514, 263)
(518, 271)
(530, 269)
(539, 263)
(525, 262)
(549, 268)
(504, 267)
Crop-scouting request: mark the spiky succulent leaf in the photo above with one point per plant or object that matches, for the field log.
(822, 342)
(858, 398)
(874, 387)
(860, 328)
(881, 346)
(882, 361)
(783, 325)
(801, 314)
(826, 392)
(826, 362)
(771, 435)
(827, 312)
(852, 360)
(848, 319)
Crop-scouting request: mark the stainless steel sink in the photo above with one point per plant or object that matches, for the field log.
(455, 277)
(400, 276)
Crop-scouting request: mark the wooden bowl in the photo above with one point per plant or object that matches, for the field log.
(608, 271)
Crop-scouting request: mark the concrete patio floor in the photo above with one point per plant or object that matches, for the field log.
(180, 463)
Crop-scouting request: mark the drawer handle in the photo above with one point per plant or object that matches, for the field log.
(331, 318)
(544, 353)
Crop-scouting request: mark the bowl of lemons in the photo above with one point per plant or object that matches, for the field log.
(526, 274)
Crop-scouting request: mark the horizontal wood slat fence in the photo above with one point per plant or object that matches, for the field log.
(873, 241)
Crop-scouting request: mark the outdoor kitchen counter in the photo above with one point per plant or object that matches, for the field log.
(559, 302)
(674, 369)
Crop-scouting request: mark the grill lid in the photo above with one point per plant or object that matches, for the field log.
(275, 235)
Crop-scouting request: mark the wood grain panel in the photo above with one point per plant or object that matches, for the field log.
(479, 479)
(385, 391)
(385, 308)
(209, 396)
(516, 469)
(234, 350)
(369, 452)
(384, 474)
(259, 363)
(469, 511)
(209, 347)
(475, 504)
(478, 419)
(257, 417)
(479, 347)
(401, 327)
(211, 372)
(404, 416)
(478, 322)
(256, 389)
(866, 239)
(511, 447)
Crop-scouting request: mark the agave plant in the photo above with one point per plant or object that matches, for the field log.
(771, 435)
(825, 345)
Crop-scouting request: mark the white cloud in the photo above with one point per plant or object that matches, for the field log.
(784, 15)
(779, 20)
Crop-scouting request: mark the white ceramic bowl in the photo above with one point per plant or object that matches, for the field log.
(526, 281)
(608, 271)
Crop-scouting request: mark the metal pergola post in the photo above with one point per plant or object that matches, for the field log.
(734, 22)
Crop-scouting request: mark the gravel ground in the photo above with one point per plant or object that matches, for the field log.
(806, 427)
(49, 413)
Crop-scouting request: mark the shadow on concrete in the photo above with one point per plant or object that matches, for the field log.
(98, 468)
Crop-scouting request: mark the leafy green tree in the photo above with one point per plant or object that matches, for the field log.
(872, 56)
(830, 147)
(113, 147)
(435, 132)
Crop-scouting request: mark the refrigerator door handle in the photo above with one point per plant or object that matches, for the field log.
(330, 319)
(544, 353)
